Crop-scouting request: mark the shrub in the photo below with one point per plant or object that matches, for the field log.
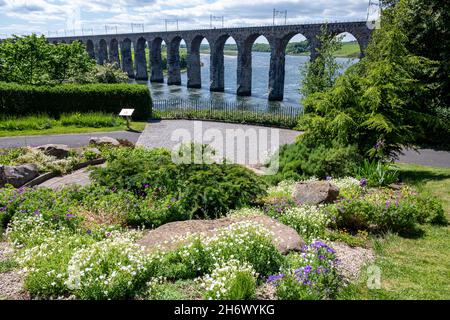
(231, 280)
(310, 276)
(110, 269)
(53, 207)
(16, 99)
(387, 210)
(305, 159)
(200, 190)
(8, 156)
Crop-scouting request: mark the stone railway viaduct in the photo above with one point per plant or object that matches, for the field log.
(105, 48)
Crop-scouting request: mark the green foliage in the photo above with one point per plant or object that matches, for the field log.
(377, 173)
(8, 265)
(319, 74)
(107, 73)
(21, 100)
(194, 190)
(387, 210)
(91, 120)
(32, 60)
(37, 122)
(109, 269)
(232, 280)
(8, 156)
(309, 157)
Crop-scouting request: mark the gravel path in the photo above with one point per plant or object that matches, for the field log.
(352, 260)
(11, 283)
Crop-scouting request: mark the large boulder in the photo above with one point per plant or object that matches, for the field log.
(18, 175)
(167, 237)
(315, 192)
(102, 141)
(59, 151)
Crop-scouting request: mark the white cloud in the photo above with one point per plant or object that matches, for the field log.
(25, 15)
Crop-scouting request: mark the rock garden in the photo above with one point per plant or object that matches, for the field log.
(147, 228)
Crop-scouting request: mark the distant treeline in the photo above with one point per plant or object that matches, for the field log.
(293, 48)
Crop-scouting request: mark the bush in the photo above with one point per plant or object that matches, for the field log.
(310, 276)
(231, 280)
(387, 210)
(196, 190)
(299, 160)
(54, 207)
(22, 100)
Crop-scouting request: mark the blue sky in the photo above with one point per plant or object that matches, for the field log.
(41, 16)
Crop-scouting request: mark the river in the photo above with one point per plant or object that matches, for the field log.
(260, 75)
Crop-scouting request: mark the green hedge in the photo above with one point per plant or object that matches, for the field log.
(20, 100)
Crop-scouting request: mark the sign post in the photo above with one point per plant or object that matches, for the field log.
(127, 113)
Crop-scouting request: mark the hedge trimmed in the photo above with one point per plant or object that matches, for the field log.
(21, 100)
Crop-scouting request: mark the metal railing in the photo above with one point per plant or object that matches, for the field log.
(228, 111)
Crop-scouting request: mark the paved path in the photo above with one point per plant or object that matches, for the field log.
(244, 144)
(72, 140)
(80, 178)
(426, 157)
(159, 134)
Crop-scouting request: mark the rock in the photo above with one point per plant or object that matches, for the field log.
(59, 151)
(315, 192)
(104, 141)
(18, 175)
(166, 237)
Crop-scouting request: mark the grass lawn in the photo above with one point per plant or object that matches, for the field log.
(416, 268)
(138, 126)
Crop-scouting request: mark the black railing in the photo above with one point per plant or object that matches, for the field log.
(227, 111)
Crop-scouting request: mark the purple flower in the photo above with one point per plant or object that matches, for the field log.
(379, 144)
(37, 212)
(329, 178)
(89, 232)
(69, 216)
(363, 182)
(388, 204)
(275, 278)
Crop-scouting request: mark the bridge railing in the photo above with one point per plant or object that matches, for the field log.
(227, 111)
(125, 29)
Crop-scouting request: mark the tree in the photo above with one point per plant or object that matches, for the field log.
(69, 62)
(24, 60)
(32, 60)
(320, 74)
